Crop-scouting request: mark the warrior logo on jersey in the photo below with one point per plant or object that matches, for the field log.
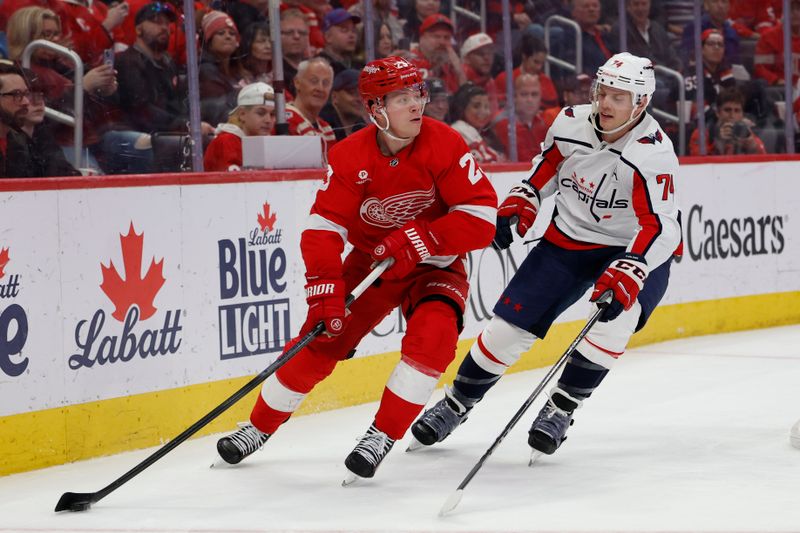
(395, 211)
(569, 112)
(653, 138)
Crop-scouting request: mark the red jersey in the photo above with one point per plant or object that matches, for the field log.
(529, 136)
(224, 152)
(367, 195)
(549, 93)
(768, 60)
(84, 25)
(300, 125)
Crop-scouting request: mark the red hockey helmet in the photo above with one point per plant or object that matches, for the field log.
(383, 76)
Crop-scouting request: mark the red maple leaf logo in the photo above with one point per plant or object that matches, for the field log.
(134, 290)
(3, 260)
(267, 220)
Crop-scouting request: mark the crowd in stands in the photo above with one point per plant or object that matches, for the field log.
(135, 89)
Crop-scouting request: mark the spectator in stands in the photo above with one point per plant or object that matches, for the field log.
(435, 56)
(382, 13)
(575, 90)
(534, 55)
(247, 12)
(717, 72)
(647, 37)
(89, 26)
(730, 132)
(477, 56)
(439, 104)
(597, 47)
(768, 61)
(149, 92)
(253, 115)
(125, 34)
(341, 39)
(418, 11)
(675, 15)
(218, 81)
(15, 101)
(715, 16)
(345, 112)
(294, 44)
(37, 155)
(530, 125)
(313, 82)
(313, 12)
(470, 114)
(385, 42)
(253, 60)
(758, 16)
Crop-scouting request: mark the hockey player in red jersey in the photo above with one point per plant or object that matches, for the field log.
(616, 227)
(408, 188)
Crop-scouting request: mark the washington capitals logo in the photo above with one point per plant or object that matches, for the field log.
(653, 138)
(569, 112)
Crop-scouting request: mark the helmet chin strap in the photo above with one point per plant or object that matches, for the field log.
(596, 122)
(386, 130)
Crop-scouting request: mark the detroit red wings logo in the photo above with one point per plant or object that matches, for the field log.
(395, 211)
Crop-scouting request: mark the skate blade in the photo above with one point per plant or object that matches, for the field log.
(535, 454)
(414, 445)
(349, 479)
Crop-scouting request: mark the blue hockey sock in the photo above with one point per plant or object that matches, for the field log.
(581, 376)
(472, 382)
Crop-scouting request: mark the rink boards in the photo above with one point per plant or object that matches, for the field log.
(130, 307)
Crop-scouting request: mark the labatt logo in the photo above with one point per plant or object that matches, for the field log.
(133, 298)
(251, 274)
(13, 321)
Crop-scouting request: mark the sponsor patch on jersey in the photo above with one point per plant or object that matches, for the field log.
(395, 211)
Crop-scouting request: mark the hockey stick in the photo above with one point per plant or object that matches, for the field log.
(82, 501)
(455, 498)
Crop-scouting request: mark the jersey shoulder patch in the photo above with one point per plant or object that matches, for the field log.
(651, 138)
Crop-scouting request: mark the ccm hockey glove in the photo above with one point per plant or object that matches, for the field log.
(325, 299)
(624, 277)
(520, 206)
(408, 245)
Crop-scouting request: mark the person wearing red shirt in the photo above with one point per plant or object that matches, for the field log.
(253, 115)
(768, 59)
(405, 188)
(313, 82)
(530, 126)
(435, 56)
(534, 54)
(730, 132)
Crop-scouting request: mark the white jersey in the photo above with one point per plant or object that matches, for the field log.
(609, 194)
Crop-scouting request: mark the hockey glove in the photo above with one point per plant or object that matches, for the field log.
(326, 304)
(624, 277)
(520, 206)
(408, 245)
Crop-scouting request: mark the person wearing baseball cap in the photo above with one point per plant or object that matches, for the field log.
(345, 111)
(435, 56)
(341, 39)
(439, 99)
(253, 115)
(477, 55)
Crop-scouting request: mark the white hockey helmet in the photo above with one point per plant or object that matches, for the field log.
(629, 73)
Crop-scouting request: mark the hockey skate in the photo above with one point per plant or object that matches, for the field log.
(241, 443)
(366, 457)
(550, 426)
(439, 421)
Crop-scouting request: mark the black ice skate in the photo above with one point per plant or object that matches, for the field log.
(439, 421)
(550, 426)
(365, 458)
(240, 444)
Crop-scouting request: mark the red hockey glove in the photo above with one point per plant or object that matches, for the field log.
(624, 277)
(408, 245)
(325, 299)
(520, 206)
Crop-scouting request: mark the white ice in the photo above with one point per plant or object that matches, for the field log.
(689, 435)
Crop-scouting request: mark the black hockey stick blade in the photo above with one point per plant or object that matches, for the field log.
(455, 498)
(75, 501)
(82, 501)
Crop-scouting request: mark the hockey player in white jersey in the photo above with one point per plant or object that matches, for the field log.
(615, 226)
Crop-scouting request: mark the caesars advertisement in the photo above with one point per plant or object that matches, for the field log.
(110, 292)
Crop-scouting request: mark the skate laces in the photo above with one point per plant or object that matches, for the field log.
(374, 445)
(248, 438)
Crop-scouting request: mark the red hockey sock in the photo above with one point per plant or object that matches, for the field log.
(265, 418)
(395, 414)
